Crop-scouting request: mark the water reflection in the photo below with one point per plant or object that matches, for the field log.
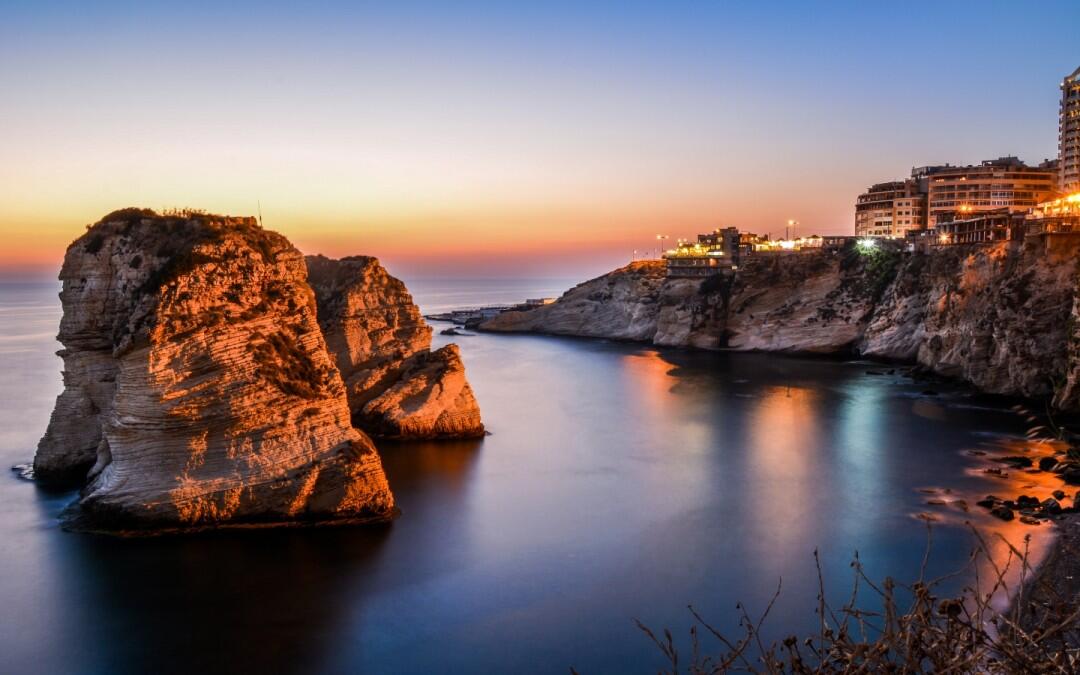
(1004, 540)
(782, 448)
(859, 445)
(249, 602)
(619, 482)
(447, 465)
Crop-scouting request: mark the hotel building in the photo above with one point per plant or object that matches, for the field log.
(1003, 183)
(890, 209)
(1069, 134)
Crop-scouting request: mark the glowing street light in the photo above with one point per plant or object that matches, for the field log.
(660, 243)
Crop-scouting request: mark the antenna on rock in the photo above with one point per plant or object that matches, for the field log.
(259, 202)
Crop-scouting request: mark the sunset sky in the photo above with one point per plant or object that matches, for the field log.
(491, 139)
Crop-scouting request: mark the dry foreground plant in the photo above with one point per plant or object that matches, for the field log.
(913, 631)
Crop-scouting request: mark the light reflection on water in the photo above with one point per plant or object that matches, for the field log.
(619, 482)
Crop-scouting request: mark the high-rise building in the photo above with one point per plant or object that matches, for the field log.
(1069, 134)
(890, 209)
(1003, 183)
(935, 195)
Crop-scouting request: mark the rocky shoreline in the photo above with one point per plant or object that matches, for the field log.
(1003, 318)
(1053, 589)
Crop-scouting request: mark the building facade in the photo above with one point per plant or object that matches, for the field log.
(726, 239)
(999, 224)
(890, 209)
(713, 253)
(957, 192)
(1057, 216)
(685, 262)
(1069, 134)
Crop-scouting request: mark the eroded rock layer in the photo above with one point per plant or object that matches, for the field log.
(195, 366)
(1003, 317)
(397, 387)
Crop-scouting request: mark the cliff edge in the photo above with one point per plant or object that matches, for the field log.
(1001, 316)
(198, 388)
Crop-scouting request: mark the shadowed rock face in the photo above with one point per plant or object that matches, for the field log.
(1000, 317)
(198, 382)
(1003, 317)
(397, 387)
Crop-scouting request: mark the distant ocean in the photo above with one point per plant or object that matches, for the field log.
(440, 295)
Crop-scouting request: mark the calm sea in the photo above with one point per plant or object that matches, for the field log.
(618, 482)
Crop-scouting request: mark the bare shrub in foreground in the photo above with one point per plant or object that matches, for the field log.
(928, 634)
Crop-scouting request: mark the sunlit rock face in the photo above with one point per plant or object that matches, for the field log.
(397, 387)
(1003, 317)
(194, 359)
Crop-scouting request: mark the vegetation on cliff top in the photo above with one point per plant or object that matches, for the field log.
(873, 268)
(162, 248)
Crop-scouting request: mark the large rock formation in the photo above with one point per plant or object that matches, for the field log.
(1004, 316)
(397, 387)
(198, 384)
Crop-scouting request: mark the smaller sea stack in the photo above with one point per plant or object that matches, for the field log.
(397, 387)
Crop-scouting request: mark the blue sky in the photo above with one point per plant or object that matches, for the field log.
(558, 135)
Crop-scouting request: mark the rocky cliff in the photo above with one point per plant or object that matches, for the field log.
(623, 305)
(198, 388)
(397, 387)
(997, 316)
(1003, 316)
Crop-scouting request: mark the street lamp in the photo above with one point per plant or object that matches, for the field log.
(660, 244)
(791, 228)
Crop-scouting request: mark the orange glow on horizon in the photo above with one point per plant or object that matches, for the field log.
(469, 237)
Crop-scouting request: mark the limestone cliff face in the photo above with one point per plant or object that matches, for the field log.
(810, 303)
(997, 316)
(397, 387)
(1003, 317)
(806, 303)
(195, 367)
